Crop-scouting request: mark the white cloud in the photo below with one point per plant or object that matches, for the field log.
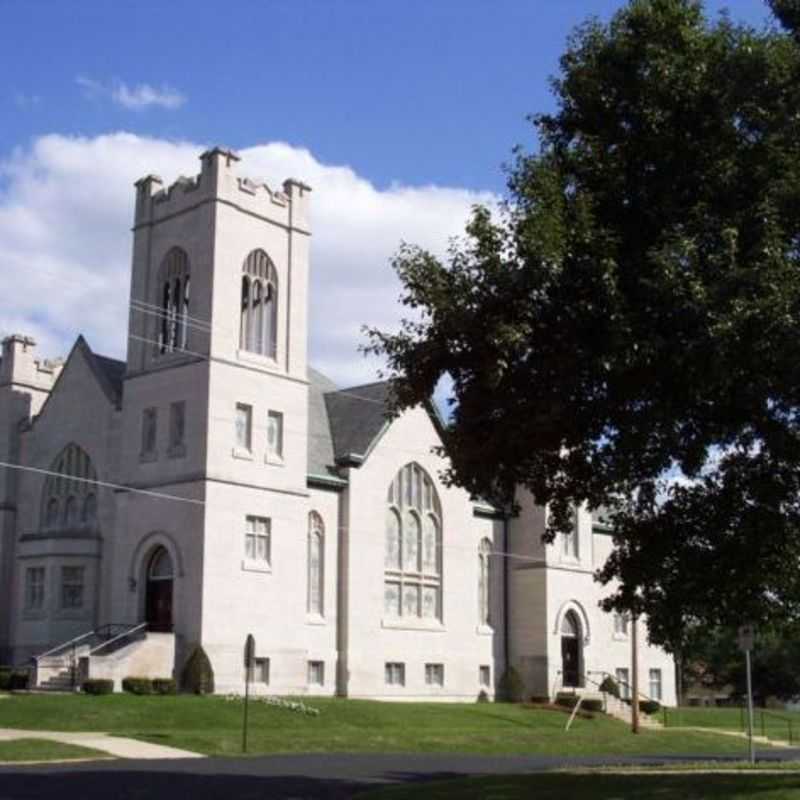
(136, 98)
(66, 206)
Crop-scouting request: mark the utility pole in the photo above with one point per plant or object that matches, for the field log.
(634, 675)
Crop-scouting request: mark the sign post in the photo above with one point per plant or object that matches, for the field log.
(747, 636)
(249, 664)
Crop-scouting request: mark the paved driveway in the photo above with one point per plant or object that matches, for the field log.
(301, 777)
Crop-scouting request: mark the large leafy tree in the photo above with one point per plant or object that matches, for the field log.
(632, 314)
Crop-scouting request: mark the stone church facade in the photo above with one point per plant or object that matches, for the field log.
(215, 485)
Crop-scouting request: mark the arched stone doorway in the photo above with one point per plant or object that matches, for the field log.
(158, 591)
(571, 655)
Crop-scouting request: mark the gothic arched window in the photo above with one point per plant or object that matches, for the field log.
(316, 562)
(69, 497)
(413, 546)
(258, 330)
(173, 316)
(484, 582)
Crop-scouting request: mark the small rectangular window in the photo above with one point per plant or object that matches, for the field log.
(620, 624)
(316, 673)
(149, 431)
(275, 435)
(655, 684)
(434, 674)
(485, 675)
(395, 673)
(72, 587)
(624, 683)
(257, 539)
(177, 426)
(244, 427)
(34, 588)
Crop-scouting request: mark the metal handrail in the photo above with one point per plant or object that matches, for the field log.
(63, 645)
(124, 634)
(616, 680)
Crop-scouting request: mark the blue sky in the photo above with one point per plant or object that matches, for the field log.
(413, 92)
(398, 114)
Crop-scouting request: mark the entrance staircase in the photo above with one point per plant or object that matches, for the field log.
(111, 651)
(613, 706)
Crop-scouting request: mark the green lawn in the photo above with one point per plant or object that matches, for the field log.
(212, 725)
(42, 750)
(771, 723)
(557, 786)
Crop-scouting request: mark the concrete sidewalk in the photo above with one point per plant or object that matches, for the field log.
(114, 745)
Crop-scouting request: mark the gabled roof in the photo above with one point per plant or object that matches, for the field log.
(109, 373)
(321, 459)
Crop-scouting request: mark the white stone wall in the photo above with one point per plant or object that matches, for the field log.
(458, 642)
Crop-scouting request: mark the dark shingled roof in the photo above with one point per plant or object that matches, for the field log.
(111, 372)
(357, 416)
(321, 460)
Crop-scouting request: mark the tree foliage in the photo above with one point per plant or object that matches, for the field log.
(713, 659)
(632, 314)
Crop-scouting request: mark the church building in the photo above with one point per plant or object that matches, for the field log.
(215, 485)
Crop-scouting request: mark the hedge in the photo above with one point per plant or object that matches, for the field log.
(650, 706)
(591, 704)
(165, 686)
(137, 685)
(98, 686)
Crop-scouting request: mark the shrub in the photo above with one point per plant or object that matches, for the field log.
(18, 679)
(98, 686)
(164, 686)
(198, 676)
(540, 700)
(510, 689)
(134, 685)
(483, 697)
(592, 704)
(650, 706)
(609, 686)
(566, 700)
(5, 679)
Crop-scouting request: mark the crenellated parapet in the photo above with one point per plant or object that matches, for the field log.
(20, 366)
(219, 182)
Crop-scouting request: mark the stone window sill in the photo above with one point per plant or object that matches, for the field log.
(34, 614)
(484, 630)
(241, 453)
(620, 637)
(256, 359)
(274, 460)
(409, 624)
(148, 458)
(315, 619)
(255, 566)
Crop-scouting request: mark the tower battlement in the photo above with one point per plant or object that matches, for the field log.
(218, 182)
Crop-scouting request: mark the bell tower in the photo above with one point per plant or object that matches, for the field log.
(216, 392)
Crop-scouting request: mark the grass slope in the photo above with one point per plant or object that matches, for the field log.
(212, 725)
(43, 750)
(775, 724)
(557, 786)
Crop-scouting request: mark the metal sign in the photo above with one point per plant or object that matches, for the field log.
(747, 637)
(249, 663)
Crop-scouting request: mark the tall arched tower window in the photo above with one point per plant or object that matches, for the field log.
(69, 497)
(258, 332)
(484, 582)
(413, 546)
(316, 558)
(173, 315)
